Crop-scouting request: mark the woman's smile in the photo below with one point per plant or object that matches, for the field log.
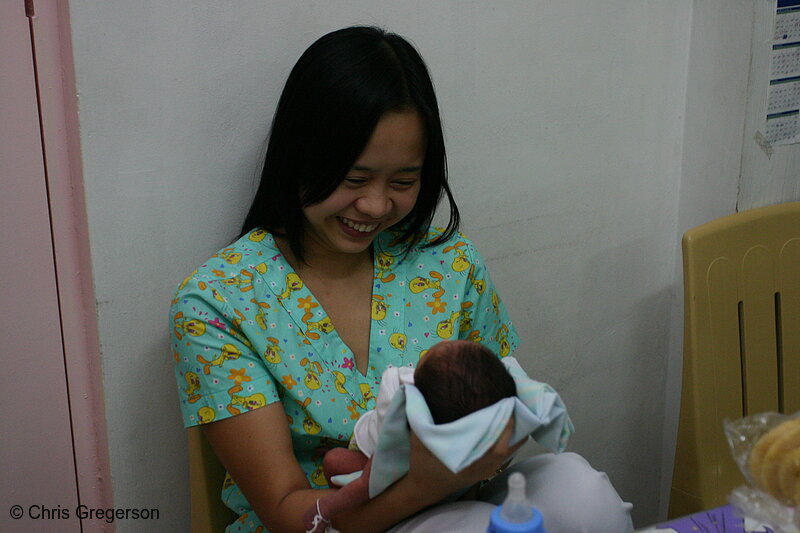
(358, 227)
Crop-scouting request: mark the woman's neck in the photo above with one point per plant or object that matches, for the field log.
(323, 263)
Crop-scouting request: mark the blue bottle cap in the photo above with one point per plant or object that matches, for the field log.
(498, 525)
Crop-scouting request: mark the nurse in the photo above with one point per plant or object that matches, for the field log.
(280, 339)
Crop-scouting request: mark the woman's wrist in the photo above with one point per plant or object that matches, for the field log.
(400, 501)
(428, 490)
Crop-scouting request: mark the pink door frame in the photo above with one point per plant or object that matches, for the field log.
(59, 114)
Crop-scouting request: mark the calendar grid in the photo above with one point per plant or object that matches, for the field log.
(783, 100)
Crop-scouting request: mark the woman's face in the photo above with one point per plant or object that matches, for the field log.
(379, 190)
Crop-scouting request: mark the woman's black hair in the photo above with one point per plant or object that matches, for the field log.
(333, 98)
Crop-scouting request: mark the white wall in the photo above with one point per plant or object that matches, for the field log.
(565, 126)
(570, 170)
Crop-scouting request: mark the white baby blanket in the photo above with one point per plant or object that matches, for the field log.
(537, 410)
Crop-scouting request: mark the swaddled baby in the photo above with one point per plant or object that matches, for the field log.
(456, 378)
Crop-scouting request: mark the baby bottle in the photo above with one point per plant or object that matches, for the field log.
(516, 514)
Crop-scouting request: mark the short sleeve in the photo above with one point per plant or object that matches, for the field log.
(218, 372)
(487, 320)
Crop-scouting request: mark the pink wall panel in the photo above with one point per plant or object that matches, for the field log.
(36, 456)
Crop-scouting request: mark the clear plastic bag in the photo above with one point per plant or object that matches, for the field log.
(750, 500)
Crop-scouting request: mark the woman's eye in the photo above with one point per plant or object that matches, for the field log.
(405, 183)
(355, 181)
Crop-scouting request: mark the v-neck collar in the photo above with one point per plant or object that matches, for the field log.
(311, 321)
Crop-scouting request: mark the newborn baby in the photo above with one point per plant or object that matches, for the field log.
(456, 378)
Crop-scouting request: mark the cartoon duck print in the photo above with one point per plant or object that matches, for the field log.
(206, 415)
(466, 323)
(218, 296)
(257, 235)
(419, 284)
(366, 393)
(479, 284)
(398, 340)
(474, 336)
(384, 261)
(238, 321)
(324, 325)
(496, 303)
(273, 352)
(244, 282)
(355, 414)
(318, 477)
(238, 376)
(502, 338)
(311, 426)
(249, 403)
(446, 327)
(460, 262)
(261, 316)
(293, 283)
(466, 318)
(303, 404)
(379, 307)
(229, 352)
(185, 281)
(193, 380)
(193, 326)
(366, 396)
(339, 382)
(314, 370)
(230, 257)
(307, 304)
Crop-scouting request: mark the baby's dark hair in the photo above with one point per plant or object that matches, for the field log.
(458, 378)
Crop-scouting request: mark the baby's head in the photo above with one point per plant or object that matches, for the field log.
(460, 377)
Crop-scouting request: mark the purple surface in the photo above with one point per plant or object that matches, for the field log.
(718, 520)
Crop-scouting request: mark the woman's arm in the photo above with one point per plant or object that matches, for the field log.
(256, 449)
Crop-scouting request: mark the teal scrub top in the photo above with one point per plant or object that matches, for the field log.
(246, 332)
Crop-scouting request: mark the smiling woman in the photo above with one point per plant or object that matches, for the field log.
(281, 338)
(325, 129)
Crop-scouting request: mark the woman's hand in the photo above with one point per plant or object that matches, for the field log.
(428, 473)
(256, 449)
